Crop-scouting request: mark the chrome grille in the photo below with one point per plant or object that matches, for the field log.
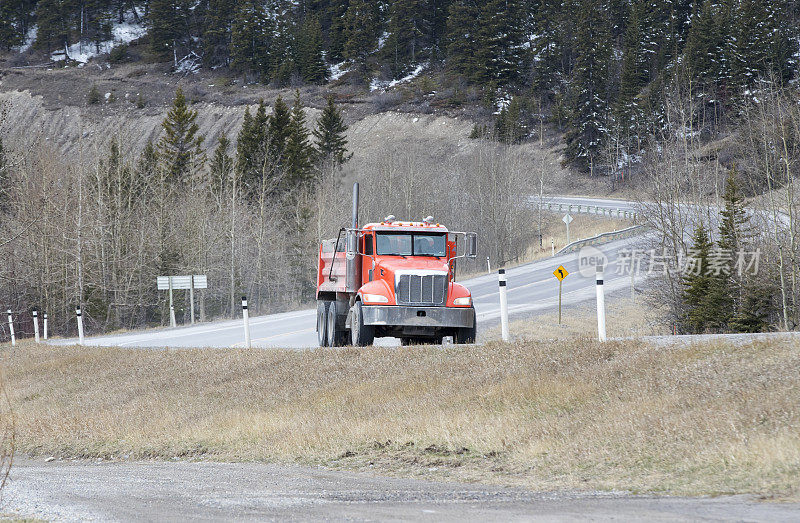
(421, 289)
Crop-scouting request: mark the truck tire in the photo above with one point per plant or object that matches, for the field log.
(336, 334)
(362, 335)
(467, 334)
(322, 323)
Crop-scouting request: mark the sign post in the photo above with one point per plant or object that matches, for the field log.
(11, 328)
(560, 274)
(191, 282)
(36, 325)
(567, 219)
(172, 322)
(80, 324)
(191, 299)
(246, 317)
(501, 280)
(601, 305)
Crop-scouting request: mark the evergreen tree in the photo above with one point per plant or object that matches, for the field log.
(361, 30)
(337, 29)
(485, 40)
(285, 49)
(217, 32)
(728, 289)
(705, 53)
(553, 43)
(251, 40)
(221, 167)
(462, 36)
(169, 27)
(148, 162)
(278, 131)
(508, 127)
(753, 313)
(298, 153)
(409, 30)
(589, 97)
(310, 61)
(760, 43)
(251, 149)
(697, 284)
(52, 33)
(330, 140)
(179, 148)
(499, 50)
(634, 74)
(10, 34)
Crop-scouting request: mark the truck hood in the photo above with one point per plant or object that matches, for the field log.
(392, 265)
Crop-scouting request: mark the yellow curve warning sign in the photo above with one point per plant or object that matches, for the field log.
(560, 273)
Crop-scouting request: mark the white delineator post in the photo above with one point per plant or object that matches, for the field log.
(80, 325)
(45, 326)
(488, 265)
(246, 316)
(552, 247)
(11, 328)
(36, 325)
(501, 280)
(191, 297)
(601, 305)
(172, 321)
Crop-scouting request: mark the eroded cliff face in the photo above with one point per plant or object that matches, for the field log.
(80, 133)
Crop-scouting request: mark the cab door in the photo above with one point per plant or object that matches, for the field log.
(367, 248)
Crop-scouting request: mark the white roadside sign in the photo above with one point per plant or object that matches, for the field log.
(182, 282)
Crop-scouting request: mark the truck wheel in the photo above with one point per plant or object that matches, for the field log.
(467, 334)
(322, 323)
(362, 335)
(335, 333)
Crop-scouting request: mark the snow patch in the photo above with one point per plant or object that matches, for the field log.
(382, 40)
(189, 64)
(123, 33)
(30, 37)
(376, 84)
(338, 70)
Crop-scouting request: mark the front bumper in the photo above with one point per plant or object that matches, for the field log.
(408, 316)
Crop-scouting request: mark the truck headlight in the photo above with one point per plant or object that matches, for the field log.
(374, 298)
(466, 300)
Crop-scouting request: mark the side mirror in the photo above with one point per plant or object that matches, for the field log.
(472, 245)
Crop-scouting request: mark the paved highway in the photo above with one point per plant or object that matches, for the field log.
(180, 491)
(531, 287)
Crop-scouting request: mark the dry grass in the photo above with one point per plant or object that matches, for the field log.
(561, 414)
(582, 226)
(625, 317)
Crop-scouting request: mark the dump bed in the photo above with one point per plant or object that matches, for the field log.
(330, 257)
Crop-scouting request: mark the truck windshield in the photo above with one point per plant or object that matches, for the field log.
(411, 244)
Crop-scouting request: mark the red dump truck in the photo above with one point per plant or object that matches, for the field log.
(393, 278)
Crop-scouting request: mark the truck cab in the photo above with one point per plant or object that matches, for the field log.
(394, 278)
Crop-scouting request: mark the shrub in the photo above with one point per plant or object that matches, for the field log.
(94, 96)
(118, 54)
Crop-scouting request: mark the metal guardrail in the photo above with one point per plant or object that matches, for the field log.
(590, 209)
(602, 238)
